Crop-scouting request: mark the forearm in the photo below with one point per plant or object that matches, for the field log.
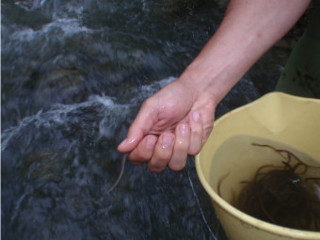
(247, 31)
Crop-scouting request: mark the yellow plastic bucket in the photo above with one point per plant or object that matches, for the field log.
(277, 119)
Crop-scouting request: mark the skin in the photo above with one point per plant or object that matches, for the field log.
(177, 120)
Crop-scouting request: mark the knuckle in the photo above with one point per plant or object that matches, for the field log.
(158, 164)
(148, 103)
(196, 130)
(178, 161)
(194, 149)
(136, 163)
(177, 166)
(155, 168)
(136, 156)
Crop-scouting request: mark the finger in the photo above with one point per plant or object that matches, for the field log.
(140, 127)
(196, 133)
(131, 141)
(181, 146)
(162, 152)
(143, 152)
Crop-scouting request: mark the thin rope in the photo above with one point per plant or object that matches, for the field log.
(199, 206)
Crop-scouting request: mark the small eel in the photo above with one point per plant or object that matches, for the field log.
(123, 163)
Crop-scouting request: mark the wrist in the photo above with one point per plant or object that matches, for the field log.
(199, 81)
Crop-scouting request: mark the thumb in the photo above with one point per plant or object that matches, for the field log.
(140, 127)
(131, 141)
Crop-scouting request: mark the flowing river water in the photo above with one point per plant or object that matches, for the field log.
(74, 74)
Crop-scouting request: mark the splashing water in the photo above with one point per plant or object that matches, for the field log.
(74, 74)
(30, 4)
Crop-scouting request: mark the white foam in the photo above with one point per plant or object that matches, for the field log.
(105, 100)
(58, 114)
(149, 89)
(30, 4)
(69, 26)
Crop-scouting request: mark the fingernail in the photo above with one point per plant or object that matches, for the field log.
(131, 140)
(195, 116)
(184, 130)
(127, 141)
(166, 141)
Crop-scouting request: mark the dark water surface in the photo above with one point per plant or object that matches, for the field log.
(74, 74)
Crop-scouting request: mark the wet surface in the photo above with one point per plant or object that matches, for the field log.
(74, 74)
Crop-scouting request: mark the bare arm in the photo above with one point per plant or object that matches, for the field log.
(248, 30)
(178, 119)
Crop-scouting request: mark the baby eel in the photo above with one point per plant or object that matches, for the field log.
(123, 163)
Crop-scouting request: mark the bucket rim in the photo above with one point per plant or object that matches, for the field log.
(239, 215)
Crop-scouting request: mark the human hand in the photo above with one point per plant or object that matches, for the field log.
(171, 124)
(177, 120)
